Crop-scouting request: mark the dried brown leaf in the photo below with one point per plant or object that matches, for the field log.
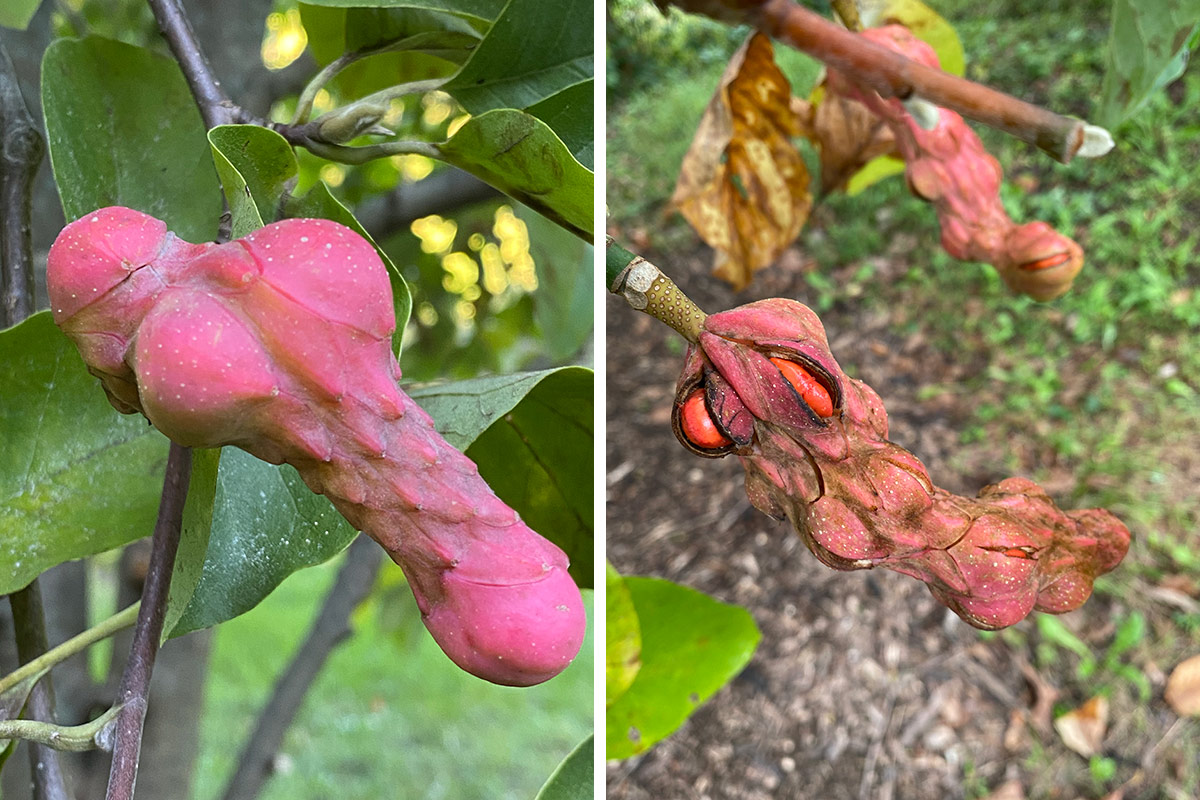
(846, 135)
(1083, 729)
(743, 185)
(1183, 688)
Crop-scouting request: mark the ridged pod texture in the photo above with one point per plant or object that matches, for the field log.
(280, 343)
(860, 501)
(949, 167)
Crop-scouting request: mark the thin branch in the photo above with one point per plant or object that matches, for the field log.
(29, 623)
(892, 75)
(215, 107)
(354, 582)
(134, 691)
(20, 153)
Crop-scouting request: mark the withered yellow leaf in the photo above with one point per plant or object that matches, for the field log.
(743, 185)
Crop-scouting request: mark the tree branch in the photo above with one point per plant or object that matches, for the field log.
(29, 622)
(215, 107)
(20, 153)
(354, 582)
(892, 75)
(133, 694)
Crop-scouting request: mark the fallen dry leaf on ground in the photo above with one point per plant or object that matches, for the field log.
(1083, 729)
(1183, 688)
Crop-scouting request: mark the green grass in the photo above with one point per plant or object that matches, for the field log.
(384, 718)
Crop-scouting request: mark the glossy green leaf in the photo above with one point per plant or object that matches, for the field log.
(569, 114)
(534, 49)
(563, 302)
(258, 172)
(329, 30)
(17, 13)
(1148, 48)
(266, 524)
(436, 33)
(194, 536)
(122, 129)
(575, 777)
(622, 637)
(76, 477)
(481, 9)
(692, 645)
(532, 440)
(519, 155)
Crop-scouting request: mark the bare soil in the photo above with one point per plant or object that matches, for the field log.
(863, 686)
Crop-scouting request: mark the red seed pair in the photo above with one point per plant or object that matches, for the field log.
(702, 431)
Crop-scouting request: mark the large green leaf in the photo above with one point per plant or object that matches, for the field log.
(481, 9)
(123, 129)
(334, 31)
(76, 477)
(535, 49)
(532, 437)
(17, 13)
(266, 524)
(622, 636)
(569, 114)
(575, 777)
(691, 646)
(1148, 48)
(257, 166)
(519, 155)
(258, 169)
(437, 33)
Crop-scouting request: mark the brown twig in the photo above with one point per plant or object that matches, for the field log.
(29, 623)
(215, 107)
(331, 626)
(134, 691)
(892, 75)
(20, 153)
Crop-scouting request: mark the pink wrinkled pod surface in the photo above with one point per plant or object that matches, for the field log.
(860, 501)
(949, 167)
(280, 343)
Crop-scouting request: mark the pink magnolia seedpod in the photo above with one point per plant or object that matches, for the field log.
(949, 167)
(280, 343)
(813, 442)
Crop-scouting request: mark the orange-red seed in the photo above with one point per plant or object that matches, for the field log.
(698, 426)
(813, 393)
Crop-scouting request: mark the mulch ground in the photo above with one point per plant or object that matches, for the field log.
(863, 686)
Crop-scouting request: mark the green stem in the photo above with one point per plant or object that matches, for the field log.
(369, 152)
(305, 103)
(647, 289)
(40, 665)
(76, 738)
